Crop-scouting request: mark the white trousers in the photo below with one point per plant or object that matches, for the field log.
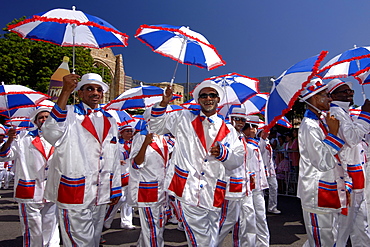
(201, 225)
(152, 226)
(39, 224)
(125, 214)
(229, 219)
(82, 227)
(273, 191)
(262, 230)
(355, 223)
(247, 227)
(321, 229)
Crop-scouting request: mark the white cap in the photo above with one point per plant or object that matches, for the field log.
(313, 87)
(335, 83)
(205, 84)
(92, 78)
(238, 112)
(253, 119)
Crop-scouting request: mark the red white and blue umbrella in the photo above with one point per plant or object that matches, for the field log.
(13, 97)
(353, 62)
(20, 123)
(287, 88)
(191, 105)
(254, 105)
(238, 88)
(66, 27)
(25, 112)
(172, 108)
(138, 97)
(122, 117)
(284, 122)
(180, 44)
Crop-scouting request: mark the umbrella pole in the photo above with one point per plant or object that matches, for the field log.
(363, 92)
(73, 47)
(177, 64)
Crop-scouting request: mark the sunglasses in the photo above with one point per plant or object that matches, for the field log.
(239, 119)
(347, 91)
(206, 95)
(91, 89)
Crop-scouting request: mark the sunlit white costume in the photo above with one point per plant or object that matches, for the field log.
(267, 157)
(146, 188)
(199, 181)
(321, 185)
(125, 209)
(32, 155)
(257, 168)
(352, 159)
(85, 171)
(236, 190)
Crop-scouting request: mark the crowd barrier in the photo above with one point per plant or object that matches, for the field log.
(287, 167)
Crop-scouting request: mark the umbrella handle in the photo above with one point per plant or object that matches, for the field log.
(363, 92)
(73, 47)
(177, 64)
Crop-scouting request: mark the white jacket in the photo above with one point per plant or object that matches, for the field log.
(85, 170)
(199, 178)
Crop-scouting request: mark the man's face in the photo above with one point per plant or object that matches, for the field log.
(126, 134)
(251, 131)
(343, 93)
(91, 94)
(208, 99)
(238, 123)
(322, 100)
(41, 118)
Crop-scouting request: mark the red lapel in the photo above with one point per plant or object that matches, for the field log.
(38, 145)
(198, 127)
(164, 155)
(224, 130)
(89, 126)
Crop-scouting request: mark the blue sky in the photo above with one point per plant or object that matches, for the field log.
(255, 38)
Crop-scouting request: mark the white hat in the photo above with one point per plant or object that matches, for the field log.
(92, 78)
(238, 112)
(125, 127)
(253, 119)
(37, 111)
(205, 84)
(313, 87)
(334, 84)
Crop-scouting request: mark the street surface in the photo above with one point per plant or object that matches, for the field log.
(286, 229)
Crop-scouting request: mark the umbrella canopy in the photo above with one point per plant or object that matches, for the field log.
(287, 87)
(138, 97)
(238, 88)
(284, 122)
(20, 123)
(353, 62)
(181, 44)
(70, 28)
(13, 97)
(25, 112)
(191, 105)
(122, 117)
(254, 105)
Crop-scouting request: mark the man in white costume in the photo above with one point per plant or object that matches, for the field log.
(268, 160)
(258, 180)
(149, 155)
(85, 172)
(321, 185)
(205, 146)
(125, 140)
(237, 213)
(32, 155)
(353, 221)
